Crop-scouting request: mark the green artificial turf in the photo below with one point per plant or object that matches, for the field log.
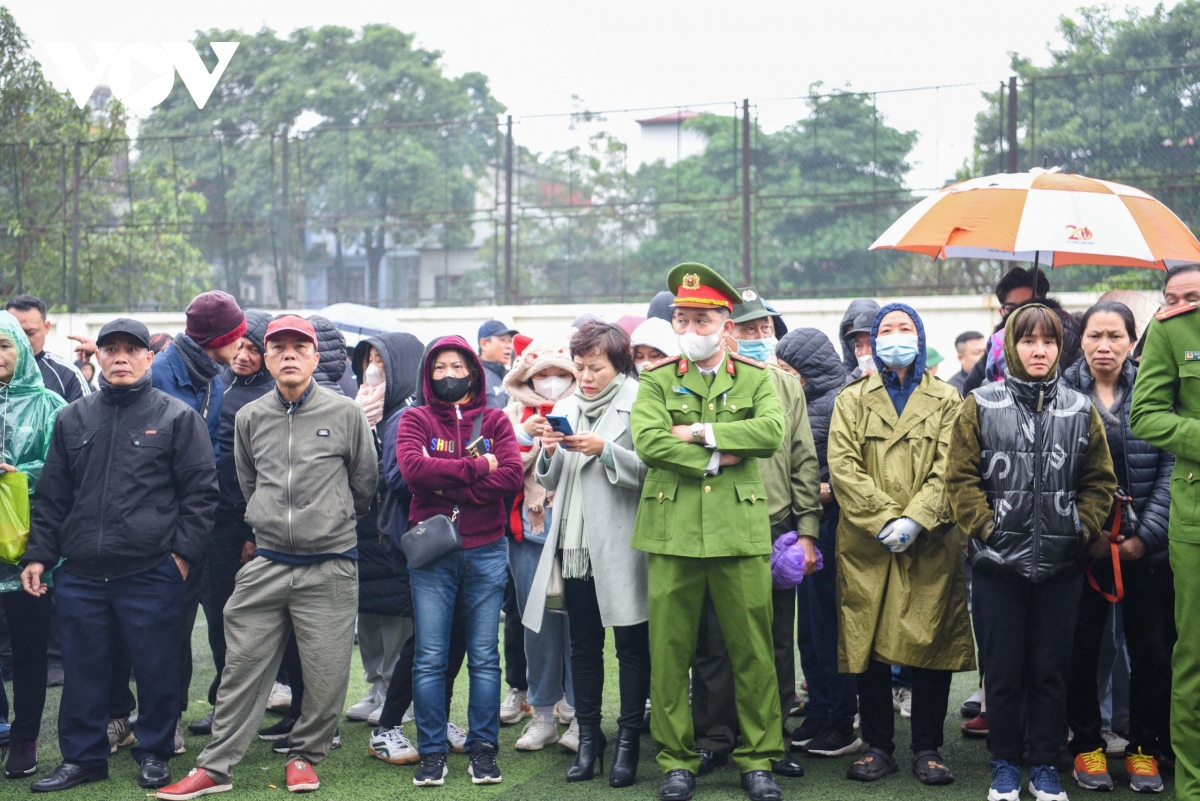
(350, 773)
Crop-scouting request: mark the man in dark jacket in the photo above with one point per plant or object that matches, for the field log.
(306, 466)
(126, 497)
(246, 379)
(828, 728)
(495, 351)
(332, 372)
(59, 375)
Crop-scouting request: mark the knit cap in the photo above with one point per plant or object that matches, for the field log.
(214, 319)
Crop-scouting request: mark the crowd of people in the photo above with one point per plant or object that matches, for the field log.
(721, 492)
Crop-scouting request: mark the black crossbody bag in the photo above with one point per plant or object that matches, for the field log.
(434, 538)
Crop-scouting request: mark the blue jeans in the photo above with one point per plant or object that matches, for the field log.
(547, 652)
(470, 583)
(147, 610)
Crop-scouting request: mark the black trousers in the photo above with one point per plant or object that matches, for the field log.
(1148, 610)
(930, 698)
(400, 685)
(221, 565)
(587, 658)
(147, 609)
(516, 669)
(28, 627)
(1026, 632)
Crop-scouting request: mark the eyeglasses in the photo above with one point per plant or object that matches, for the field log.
(1008, 308)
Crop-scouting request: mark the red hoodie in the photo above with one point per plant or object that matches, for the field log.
(429, 453)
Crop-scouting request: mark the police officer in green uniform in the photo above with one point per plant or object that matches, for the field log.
(1166, 413)
(701, 422)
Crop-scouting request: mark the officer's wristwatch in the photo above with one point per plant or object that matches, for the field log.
(698, 433)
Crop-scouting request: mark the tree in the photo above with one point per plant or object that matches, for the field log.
(1118, 101)
(395, 157)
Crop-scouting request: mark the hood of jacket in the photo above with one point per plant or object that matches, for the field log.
(402, 359)
(662, 306)
(27, 377)
(1012, 361)
(257, 321)
(29, 409)
(331, 347)
(810, 353)
(538, 355)
(859, 314)
(918, 366)
(474, 366)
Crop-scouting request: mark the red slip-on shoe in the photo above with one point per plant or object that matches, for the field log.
(196, 784)
(976, 726)
(301, 778)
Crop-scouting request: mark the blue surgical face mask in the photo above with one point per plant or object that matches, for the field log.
(757, 349)
(896, 350)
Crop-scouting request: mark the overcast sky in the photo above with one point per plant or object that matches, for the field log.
(620, 54)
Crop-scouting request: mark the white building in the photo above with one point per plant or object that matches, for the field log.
(666, 138)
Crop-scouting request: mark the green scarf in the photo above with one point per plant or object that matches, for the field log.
(572, 533)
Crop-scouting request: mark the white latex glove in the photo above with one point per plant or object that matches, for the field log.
(899, 534)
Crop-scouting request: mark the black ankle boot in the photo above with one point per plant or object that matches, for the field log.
(625, 758)
(591, 750)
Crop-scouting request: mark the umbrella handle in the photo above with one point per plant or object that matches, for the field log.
(1036, 255)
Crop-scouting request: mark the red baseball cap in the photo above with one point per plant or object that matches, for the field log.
(290, 324)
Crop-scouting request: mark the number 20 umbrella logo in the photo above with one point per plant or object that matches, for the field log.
(1079, 233)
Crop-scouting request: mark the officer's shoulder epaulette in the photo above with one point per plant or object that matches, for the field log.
(1167, 314)
(747, 360)
(663, 362)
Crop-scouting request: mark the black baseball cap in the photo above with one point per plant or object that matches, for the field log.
(125, 325)
(494, 328)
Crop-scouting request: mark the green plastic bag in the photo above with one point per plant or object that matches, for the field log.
(14, 516)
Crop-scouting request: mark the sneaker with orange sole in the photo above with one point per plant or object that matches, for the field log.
(194, 785)
(976, 726)
(1091, 770)
(1143, 773)
(301, 778)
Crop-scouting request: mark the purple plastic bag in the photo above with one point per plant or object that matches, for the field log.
(787, 562)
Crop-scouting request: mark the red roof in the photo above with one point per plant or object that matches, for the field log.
(675, 117)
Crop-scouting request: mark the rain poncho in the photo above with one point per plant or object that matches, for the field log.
(27, 413)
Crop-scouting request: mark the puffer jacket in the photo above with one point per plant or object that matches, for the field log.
(382, 588)
(810, 353)
(239, 390)
(331, 346)
(1147, 469)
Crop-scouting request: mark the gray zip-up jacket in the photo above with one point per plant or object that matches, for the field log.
(308, 470)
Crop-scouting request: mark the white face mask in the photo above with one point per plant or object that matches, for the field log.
(866, 364)
(374, 375)
(643, 366)
(697, 347)
(552, 387)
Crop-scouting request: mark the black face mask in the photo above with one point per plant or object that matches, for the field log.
(450, 389)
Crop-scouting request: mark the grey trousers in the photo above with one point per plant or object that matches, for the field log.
(380, 638)
(271, 600)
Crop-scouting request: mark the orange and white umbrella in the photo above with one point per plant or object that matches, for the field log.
(1047, 217)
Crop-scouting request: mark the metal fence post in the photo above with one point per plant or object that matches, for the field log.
(1012, 124)
(508, 213)
(746, 192)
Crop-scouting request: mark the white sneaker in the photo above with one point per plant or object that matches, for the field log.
(370, 702)
(280, 699)
(515, 707)
(409, 715)
(375, 716)
(180, 745)
(1114, 744)
(564, 712)
(457, 738)
(570, 738)
(539, 733)
(391, 746)
(902, 701)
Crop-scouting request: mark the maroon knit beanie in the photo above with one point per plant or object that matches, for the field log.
(214, 319)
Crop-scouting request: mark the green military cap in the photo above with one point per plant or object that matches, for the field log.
(933, 358)
(751, 306)
(698, 286)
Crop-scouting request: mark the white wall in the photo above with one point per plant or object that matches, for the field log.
(945, 317)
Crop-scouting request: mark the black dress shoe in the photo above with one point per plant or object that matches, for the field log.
(202, 726)
(68, 775)
(155, 772)
(625, 758)
(760, 786)
(677, 785)
(591, 751)
(710, 761)
(788, 766)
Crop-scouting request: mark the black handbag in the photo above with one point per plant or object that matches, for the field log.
(434, 538)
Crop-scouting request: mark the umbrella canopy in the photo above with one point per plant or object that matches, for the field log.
(359, 320)
(1048, 217)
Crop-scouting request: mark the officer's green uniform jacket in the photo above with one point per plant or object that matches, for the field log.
(1165, 411)
(682, 511)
